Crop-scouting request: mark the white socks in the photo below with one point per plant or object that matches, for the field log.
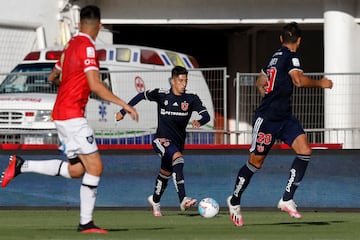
(88, 192)
(46, 167)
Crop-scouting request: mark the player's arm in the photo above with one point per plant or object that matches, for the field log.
(100, 90)
(300, 80)
(135, 100)
(205, 118)
(54, 76)
(261, 83)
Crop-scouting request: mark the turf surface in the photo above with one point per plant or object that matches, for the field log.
(140, 224)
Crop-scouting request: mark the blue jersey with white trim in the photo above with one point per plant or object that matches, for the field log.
(276, 104)
(174, 112)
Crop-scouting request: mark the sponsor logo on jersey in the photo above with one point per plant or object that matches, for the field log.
(170, 113)
(88, 62)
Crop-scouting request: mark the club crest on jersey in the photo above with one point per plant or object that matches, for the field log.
(90, 139)
(260, 148)
(184, 106)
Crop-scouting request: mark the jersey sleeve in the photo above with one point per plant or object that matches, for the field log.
(88, 57)
(198, 104)
(153, 95)
(294, 63)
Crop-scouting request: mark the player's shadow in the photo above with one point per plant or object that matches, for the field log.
(299, 223)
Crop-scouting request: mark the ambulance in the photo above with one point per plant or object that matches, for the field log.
(27, 98)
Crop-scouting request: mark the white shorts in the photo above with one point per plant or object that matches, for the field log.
(76, 137)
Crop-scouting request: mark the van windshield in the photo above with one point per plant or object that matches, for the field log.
(29, 78)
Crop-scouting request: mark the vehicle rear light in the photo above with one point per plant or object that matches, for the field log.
(53, 55)
(29, 114)
(193, 61)
(32, 56)
(150, 57)
(101, 54)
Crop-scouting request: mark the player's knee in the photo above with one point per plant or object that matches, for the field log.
(76, 170)
(304, 150)
(256, 160)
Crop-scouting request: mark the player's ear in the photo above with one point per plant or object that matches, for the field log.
(281, 39)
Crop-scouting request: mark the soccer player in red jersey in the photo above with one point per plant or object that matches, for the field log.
(77, 73)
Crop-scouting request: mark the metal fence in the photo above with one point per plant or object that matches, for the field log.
(328, 116)
(23, 99)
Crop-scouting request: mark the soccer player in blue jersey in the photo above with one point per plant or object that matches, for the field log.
(273, 119)
(174, 109)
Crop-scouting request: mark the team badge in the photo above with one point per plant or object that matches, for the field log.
(184, 106)
(90, 139)
(260, 148)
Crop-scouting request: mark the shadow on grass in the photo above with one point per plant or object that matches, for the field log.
(299, 223)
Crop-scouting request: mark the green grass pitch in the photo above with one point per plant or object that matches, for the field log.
(140, 224)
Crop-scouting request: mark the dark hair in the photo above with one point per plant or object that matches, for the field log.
(291, 32)
(90, 12)
(178, 70)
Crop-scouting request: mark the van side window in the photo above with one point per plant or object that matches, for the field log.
(123, 54)
(175, 59)
(150, 57)
(105, 79)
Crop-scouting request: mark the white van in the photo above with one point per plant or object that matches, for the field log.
(27, 98)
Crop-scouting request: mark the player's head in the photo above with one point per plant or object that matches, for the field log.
(90, 19)
(291, 34)
(177, 70)
(179, 78)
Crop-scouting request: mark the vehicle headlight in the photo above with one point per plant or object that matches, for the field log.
(43, 116)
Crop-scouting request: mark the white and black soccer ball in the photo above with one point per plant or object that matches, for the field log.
(208, 207)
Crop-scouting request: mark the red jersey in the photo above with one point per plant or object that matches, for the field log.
(78, 57)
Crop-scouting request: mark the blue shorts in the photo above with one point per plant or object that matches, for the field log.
(166, 150)
(266, 132)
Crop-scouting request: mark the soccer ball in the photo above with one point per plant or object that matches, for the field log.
(208, 207)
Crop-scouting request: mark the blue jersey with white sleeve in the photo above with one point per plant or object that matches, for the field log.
(276, 104)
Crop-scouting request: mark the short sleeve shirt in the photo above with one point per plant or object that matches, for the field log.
(78, 57)
(276, 104)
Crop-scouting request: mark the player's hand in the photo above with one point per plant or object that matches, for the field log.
(119, 116)
(327, 83)
(133, 113)
(195, 124)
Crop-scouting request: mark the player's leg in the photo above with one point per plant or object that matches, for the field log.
(80, 147)
(88, 191)
(296, 136)
(161, 182)
(242, 181)
(178, 178)
(261, 144)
